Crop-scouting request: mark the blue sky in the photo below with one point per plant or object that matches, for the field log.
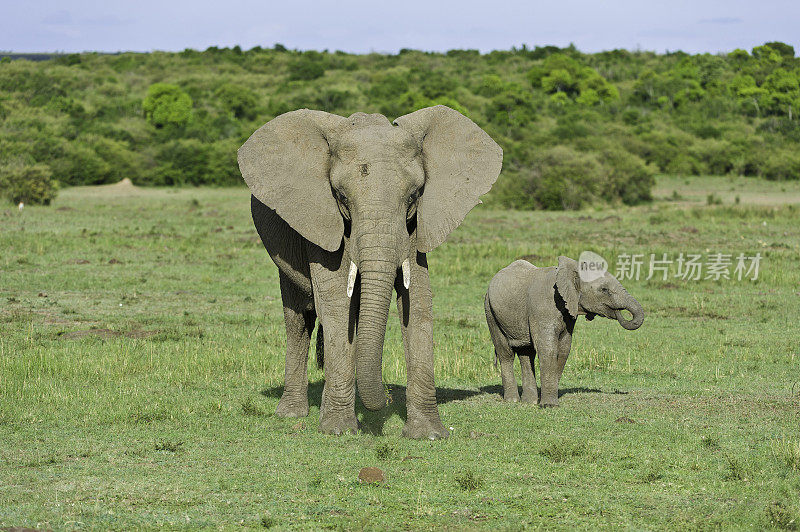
(364, 26)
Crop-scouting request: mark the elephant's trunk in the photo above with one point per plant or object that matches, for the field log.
(378, 267)
(636, 310)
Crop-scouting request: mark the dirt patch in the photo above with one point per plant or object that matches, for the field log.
(101, 333)
(107, 333)
(371, 475)
(610, 218)
(686, 312)
(78, 261)
(126, 185)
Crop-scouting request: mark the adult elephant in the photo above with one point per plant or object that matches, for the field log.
(347, 209)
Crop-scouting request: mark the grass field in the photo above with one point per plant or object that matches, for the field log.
(141, 361)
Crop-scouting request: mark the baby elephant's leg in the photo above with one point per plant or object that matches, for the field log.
(510, 392)
(504, 354)
(564, 345)
(530, 393)
(547, 350)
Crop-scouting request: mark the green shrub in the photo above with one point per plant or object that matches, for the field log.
(28, 183)
(388, 86)
(628, 178)
(72, 162)
(240, 101)
(167, 104)
(558, 178)
(781, 165)
(181, 162)
(513, 107)
(334, 101)
(305, 69)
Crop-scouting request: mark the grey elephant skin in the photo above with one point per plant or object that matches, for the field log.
(532, 311)
(347, 208)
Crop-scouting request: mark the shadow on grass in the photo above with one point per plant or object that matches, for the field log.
(497, 389)
(370, 421)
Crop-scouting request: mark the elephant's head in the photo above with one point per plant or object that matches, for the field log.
(326, 175)
(604, 296)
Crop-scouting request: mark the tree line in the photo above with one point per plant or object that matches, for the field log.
(575, 128)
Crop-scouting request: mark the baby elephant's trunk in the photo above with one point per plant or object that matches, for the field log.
(636, 310)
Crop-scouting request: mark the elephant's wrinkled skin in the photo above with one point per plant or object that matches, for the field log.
(347, 209)
(533, 311)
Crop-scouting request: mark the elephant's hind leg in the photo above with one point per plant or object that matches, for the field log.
(503, 353)
(299, 315)
(530, 393)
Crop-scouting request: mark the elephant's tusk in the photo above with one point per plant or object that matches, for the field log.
(406, 273)
(351, 278)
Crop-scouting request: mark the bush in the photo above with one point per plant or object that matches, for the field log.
(628, 178)
(167, 105)
(182, 162)
(72, 162)
(305, 69)
(238, 100)
(781, 165)
(559, 178)
(28, 183)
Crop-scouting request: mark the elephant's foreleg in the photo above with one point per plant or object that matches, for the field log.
(530, 393)
(337, 413)
(299, 316)
(546, 345)
(416, 318)
(564, 345)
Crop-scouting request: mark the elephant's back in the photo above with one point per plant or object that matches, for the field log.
(507, 293)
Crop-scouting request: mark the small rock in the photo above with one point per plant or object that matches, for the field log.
(624, 419)
(371, 475)
(42, 294)
(115, 261)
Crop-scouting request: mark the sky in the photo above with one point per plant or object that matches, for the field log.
(377, 26)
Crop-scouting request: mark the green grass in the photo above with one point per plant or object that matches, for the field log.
(162, 414)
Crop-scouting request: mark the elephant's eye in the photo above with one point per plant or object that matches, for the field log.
(412, 205)
(604, 289)
(341, 200)
(413, 197)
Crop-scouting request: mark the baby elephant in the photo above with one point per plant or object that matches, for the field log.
(533, 310)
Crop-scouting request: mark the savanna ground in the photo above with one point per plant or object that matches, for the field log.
(141, 361)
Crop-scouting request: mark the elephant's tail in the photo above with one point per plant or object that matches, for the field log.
(320, 349)
(492, 322)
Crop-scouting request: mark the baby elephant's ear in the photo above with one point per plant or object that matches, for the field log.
(568, 283)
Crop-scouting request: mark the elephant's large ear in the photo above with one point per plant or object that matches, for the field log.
(461, 163)
(285, 163)
(568, 283)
